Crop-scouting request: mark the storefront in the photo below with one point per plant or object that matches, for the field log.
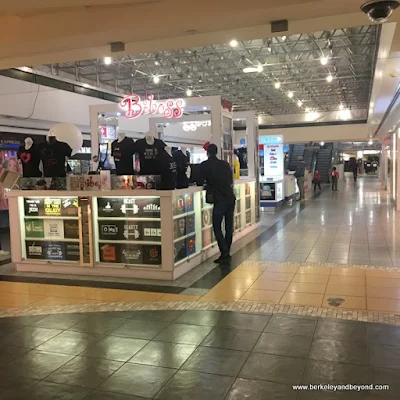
(124, 225)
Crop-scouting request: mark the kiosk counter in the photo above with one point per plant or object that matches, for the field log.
(149, 234)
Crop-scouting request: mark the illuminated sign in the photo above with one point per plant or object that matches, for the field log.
(134, 106)
(194, 125)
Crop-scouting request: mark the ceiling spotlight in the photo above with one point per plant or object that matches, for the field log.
(329, 78)
(252, 99)
(307, 110)
(299, 103)
(156, 62)
(189, 92)
(204, 108)
(283, 38)
(156, 79)
(321, 143)
(277, 85)
(269, 49)
(324, 60)
(370, 142)
(85, 85)
(107, 60)
(233, 43)
(290, 95)
(253, 69)
(341, 106)
(260, 68)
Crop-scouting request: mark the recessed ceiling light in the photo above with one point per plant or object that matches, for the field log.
(189, 92)
(233, 43)
(329, 78)
(277, 85)
(290, 95)
(156, 79)
(299, 103)
(107, 60)
(324, 60)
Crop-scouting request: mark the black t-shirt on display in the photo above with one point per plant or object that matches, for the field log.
(30, 160)
(168, 170)
(53, 155)
(123, 152)
(182, 163)
(148, 156)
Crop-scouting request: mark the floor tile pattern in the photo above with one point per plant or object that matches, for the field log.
(195, 354)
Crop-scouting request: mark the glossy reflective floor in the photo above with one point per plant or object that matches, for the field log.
(179, 355)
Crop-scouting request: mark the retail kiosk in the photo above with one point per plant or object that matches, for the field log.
(109, 227)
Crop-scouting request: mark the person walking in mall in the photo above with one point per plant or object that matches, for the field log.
(354, 168)
(218, 176)
(317, 180)
(334, 178)
(299, 174)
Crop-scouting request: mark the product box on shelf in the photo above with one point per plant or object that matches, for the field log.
(130, 182)
(83, 182)
(43, 183)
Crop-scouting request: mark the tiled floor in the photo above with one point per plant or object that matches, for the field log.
(177, 355)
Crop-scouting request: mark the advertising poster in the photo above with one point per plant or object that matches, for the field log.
(54, 251)
(190, 245)
(109, 253)
(180, 250)
(34, 228)
(267, 191)
(72, 252)
(111, 230)
(189, 204)
(149, 207)
(131, 254)
(109, 207)
(151, 254)
(71, 229)
(52, 207)
(151, 231)
(179, 227)
(132, 231)
(207, 237)
(129, 207)
(54, 228)
(35, 250)
(33, 207)
(178, 205)
(70, 207)
(206, 218)
(190, 224)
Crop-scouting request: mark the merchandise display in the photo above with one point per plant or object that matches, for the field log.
(30, 159)
(148, 150)
(168, 174)
(123, 150)
(53, 155)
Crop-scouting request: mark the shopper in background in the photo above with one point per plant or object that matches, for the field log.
(334, 178)
(354, 169)
(217, 175)
(317, 180)
(299, 174)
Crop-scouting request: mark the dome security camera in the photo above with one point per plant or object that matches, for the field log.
(379, 11)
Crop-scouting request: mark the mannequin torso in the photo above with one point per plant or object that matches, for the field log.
(148, 149)
(122, 150)
(53, 155)
(30, 159)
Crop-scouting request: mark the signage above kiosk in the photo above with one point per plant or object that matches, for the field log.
(135, 107)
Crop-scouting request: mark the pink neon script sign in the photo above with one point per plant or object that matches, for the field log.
(134, 106)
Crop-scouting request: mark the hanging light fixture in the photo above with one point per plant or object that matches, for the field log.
(156, 79)
(290, 95)
(324, 60)
(277, 85)
(189, 92)
(299, 103)
(329, 78)
(233, 43)
(107, 60)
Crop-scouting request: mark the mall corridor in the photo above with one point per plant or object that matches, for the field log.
(315, 299)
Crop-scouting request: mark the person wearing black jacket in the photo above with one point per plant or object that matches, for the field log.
(218, 176)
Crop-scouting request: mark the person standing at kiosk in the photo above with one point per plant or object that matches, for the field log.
(218, 177)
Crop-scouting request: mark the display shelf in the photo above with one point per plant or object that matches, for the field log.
(50, 239)
(191, 235)
(49, 262)
(110, 241)
(127, 219)
(206, 227)
(51, 217)
(126, 266)
(184, 215)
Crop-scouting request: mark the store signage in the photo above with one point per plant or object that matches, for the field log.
(54, 228)
(135, 107)
(194, 125)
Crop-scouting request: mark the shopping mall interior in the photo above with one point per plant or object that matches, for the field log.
(111, 284)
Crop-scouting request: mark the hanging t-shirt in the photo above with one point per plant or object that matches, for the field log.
(30, 160)
(168, 170)
(53, 155)
(123, 152)
(148, 156)
(182, 163)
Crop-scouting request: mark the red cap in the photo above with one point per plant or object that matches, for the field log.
(205, 147)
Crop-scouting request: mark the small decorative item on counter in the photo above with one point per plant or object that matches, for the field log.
(84, 182)
(124, 182)
(105, 178)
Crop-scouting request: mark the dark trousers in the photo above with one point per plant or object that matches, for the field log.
(223, 210)
(355, 173)
(334, 183)
(317, 182)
